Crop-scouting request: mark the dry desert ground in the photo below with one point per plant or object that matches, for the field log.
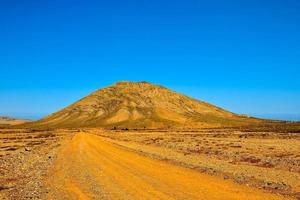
(149, 164)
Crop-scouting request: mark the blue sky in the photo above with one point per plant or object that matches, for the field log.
(243, 56)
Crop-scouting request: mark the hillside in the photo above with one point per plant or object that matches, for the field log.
(141, 105)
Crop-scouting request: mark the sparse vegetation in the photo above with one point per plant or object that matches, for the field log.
(242, 155)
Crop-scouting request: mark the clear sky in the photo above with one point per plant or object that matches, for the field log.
(243, 56)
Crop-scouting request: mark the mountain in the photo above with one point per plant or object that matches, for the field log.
(4, 120)
(141, 105)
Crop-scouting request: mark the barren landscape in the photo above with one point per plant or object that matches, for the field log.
(147, 164)
(7, 121)
(150, 100)
(144, 141)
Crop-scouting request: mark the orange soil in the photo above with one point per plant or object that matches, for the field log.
(91, 168)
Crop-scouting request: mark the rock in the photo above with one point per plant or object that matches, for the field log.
(27, 149)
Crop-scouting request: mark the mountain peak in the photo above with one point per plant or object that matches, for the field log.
(138, 105)
(132, 83)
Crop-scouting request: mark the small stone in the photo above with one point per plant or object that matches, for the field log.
(27, 149)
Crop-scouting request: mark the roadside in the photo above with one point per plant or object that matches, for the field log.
(268, 161)
(26, 157)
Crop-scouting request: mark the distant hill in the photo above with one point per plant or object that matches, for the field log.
(141, 105)
(4, 120)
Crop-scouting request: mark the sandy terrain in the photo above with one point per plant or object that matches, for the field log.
(265, 160)
(6, 121)
(102, 164)
(93, 168)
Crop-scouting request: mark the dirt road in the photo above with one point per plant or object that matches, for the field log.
(90, 167)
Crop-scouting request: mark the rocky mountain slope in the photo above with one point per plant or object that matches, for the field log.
(141, 105)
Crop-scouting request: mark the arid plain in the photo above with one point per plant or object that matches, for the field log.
(143, 141)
